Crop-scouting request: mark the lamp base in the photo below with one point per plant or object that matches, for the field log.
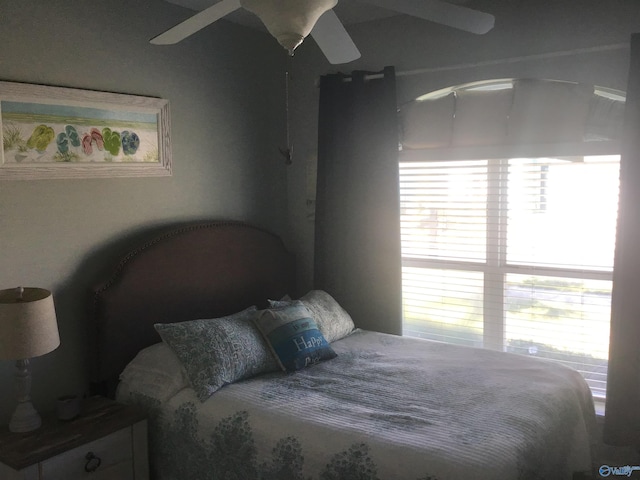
(24, 419)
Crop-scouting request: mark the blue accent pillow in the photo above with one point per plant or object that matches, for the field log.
(293, 336)
(218, 351)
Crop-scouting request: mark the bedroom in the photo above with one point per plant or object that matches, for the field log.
(226, 92)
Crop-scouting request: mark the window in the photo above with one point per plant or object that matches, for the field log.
(512, 254)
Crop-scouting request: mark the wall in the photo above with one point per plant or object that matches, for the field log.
(225, 91)
(530, 39)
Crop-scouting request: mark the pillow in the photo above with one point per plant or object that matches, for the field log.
(333, 321)
(155, 372)
(219, 351)
(293, 336)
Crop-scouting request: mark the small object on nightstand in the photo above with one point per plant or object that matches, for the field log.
(107, 440)
(68, 407)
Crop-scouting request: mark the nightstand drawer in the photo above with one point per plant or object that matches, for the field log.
(114, 451)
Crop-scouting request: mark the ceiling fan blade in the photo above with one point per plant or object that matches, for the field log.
(333, 39)
(438, 11)
(197, 22)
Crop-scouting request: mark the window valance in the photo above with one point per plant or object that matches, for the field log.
(512, 111)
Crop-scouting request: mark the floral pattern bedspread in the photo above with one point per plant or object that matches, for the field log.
(386, 408)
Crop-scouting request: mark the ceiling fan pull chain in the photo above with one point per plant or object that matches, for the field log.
(288, 152)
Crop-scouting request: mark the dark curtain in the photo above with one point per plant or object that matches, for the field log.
(357, 228)
(622, 414)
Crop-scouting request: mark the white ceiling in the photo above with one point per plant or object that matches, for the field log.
(349, 12)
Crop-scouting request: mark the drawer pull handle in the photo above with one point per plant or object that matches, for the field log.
(93, 462)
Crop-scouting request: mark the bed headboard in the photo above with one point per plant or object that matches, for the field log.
(203, 270)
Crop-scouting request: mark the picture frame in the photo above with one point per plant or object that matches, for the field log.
(51, 132)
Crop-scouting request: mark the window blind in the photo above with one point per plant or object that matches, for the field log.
(512, 254)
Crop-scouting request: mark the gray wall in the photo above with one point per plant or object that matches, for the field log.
(449, 57)
(225, 91)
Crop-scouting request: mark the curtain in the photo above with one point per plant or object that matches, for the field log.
(622, 414)
(357, 226)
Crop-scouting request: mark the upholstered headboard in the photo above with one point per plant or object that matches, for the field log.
(204, 270)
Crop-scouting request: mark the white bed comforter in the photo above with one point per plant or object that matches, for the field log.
(386, 408)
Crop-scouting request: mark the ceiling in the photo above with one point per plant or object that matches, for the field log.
(349, 12)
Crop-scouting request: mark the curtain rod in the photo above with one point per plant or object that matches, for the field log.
(503, 61)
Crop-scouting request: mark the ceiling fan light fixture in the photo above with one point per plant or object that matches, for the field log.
(289, 21)
(289, 41)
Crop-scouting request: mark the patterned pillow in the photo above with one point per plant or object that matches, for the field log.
(333, 321)
(218, 351)
(293, 336)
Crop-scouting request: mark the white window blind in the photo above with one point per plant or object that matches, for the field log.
(513, 255)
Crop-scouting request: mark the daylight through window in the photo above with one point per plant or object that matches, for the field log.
(512, 254)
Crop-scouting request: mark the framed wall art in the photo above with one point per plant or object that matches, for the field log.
(57, 132)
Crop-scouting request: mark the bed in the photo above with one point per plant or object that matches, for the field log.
(377, 407)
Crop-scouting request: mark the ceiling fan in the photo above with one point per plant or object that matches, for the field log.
(290, 21)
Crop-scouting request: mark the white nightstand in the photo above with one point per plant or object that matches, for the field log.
(107, 441)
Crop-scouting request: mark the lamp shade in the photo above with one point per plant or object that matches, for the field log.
(28, 325)
(289, 21)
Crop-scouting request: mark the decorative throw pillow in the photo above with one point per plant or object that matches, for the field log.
(293, 336)
(333, 321)
(219, 351)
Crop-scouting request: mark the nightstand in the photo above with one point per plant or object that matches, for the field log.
(108, 441)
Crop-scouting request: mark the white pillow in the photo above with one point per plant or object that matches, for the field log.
(155, 372)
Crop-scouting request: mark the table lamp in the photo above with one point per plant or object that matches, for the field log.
(28, 328)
